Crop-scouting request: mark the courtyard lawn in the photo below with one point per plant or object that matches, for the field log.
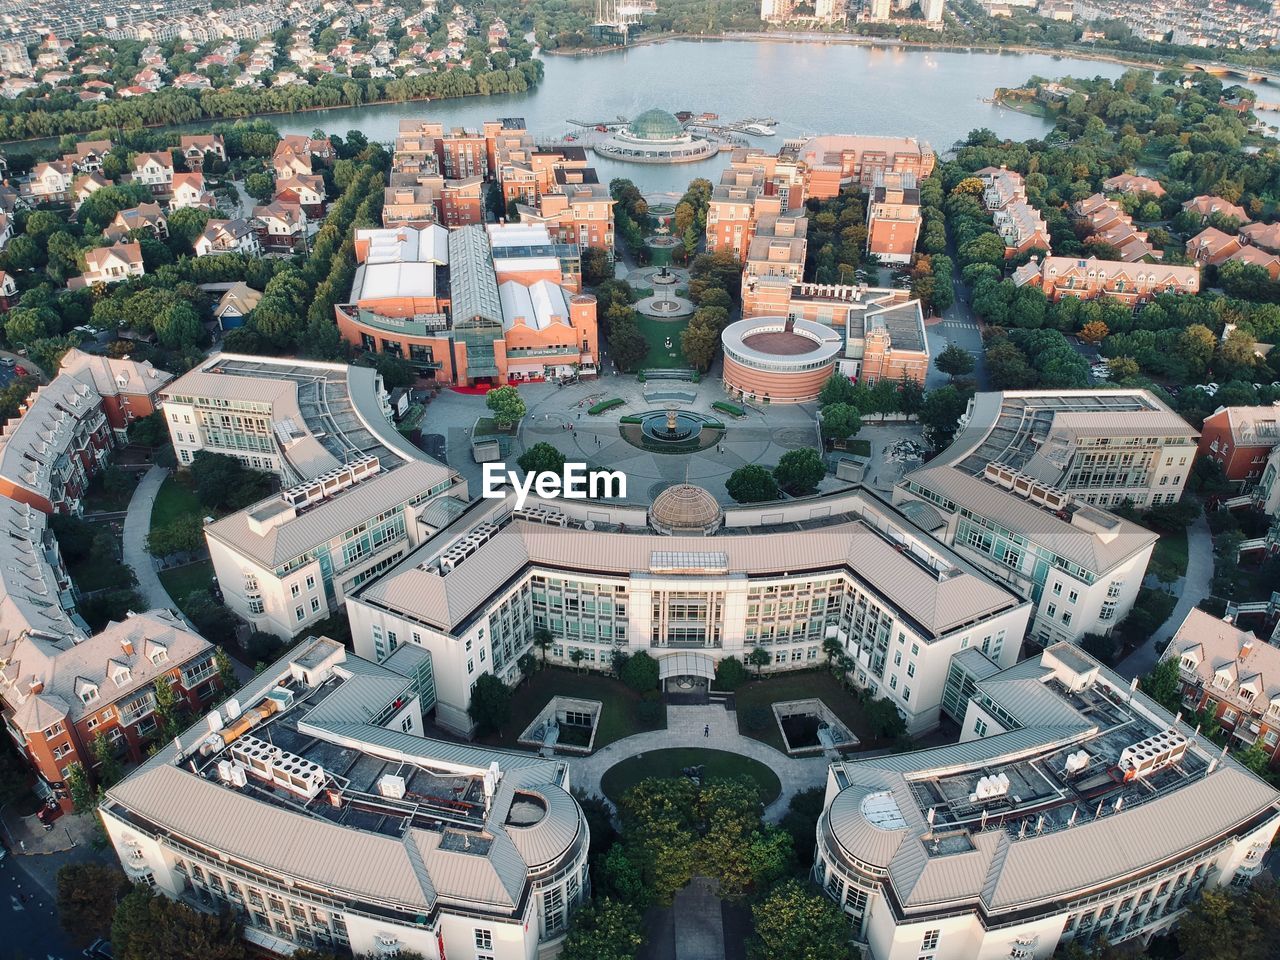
(800, 685)
(175, 499)
(656, 332)
(1171, 552)
(619, 714)
(621, 777)
(187, 579)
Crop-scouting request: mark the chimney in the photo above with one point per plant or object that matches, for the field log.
(1246, 648)
(37, 685)
(126, 645)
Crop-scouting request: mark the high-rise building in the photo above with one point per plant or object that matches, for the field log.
(893, 217)
(932, 10)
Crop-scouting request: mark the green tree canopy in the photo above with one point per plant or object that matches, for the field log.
(507, 406)
(542, 457)
(800, 471)
(490, 705)
(840, 421)
(796, 922)
(640, 672)
(752, 484)
(150, 926)
(604, 930)
(87, 898)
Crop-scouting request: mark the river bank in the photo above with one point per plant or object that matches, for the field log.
(861, 40)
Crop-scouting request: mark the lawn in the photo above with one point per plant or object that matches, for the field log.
(800, 685)
(175, 499)
(618, 717)
(621, 777)
(98, 500)
(656, 332)
(184, 580)
(1171, 552)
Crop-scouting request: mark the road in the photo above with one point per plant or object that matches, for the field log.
(31, 929)
(957, 325)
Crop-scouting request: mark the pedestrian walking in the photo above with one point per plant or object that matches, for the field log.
(706, 730)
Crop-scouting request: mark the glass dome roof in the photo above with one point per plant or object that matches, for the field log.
(655, 125)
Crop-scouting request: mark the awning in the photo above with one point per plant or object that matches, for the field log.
(686, 664)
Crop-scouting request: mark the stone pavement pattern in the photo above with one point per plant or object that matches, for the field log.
(685, 726)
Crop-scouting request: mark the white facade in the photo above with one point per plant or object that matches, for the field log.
(985, 850)
(690, 601)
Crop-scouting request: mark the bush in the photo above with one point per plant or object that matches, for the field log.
(732, 409)
(640, 673)
(263, 647)
(631, 421)
(604, 405)
(730, 674)
(1102, 647)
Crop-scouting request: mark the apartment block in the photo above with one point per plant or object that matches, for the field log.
(893, 217)
(778, 248)
(1130, 283)
(1241, 439)
(835, 161)
(1106, 222)
(737, 203)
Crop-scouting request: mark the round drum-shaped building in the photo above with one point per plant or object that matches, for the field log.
(778, 359)
(655, 136)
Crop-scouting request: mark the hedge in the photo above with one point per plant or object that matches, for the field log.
(730, 408)
(604, 405)
(633, 421)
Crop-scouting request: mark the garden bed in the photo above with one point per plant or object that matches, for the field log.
(604, 405)
(732, 409)
(621, 777)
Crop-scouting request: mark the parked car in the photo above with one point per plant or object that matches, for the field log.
(8, 361)
(20, 370)
(99, 950)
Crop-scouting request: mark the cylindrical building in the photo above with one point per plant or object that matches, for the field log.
(778, 359)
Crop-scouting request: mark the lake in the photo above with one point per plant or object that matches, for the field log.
(808, 88)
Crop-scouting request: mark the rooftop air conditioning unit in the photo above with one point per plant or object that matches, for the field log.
(390, 785)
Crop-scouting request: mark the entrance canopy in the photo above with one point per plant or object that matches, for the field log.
(686, 664)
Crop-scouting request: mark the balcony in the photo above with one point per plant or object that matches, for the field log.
(1247, 732)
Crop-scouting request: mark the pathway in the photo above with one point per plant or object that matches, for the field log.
(685, 725)
(1190, 590)
(137, 524)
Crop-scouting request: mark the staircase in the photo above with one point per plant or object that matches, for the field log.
(672, 373)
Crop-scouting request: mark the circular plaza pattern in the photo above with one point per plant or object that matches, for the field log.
(655, 136)
(779, 359)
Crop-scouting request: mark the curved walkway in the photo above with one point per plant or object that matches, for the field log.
(685, 725)
(1190, 590)
(137, 524)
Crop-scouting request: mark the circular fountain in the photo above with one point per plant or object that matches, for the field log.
(670, 426)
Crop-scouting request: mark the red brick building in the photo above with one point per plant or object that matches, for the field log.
(129, 389)
(1232, 675)
(1241, 439)
(60, 691)
(893, 217)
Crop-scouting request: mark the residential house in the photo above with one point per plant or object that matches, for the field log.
(281, 226)
(154, 171)
(305, 190)
(1133, 185)
(49, 182)
(1131, 283)
(189, 191)
(145, 218)
(1212, 246)
(1205, 206)
(1263, 235)
(194, 147)
(235, 306)
(112, 264)
(228, 236)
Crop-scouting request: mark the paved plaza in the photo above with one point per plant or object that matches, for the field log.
(762, 436)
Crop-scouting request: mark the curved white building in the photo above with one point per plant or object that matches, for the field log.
(602, 577)
(313, 808)
(1072, 809)
(655, 136)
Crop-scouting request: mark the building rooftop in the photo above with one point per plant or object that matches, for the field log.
(280, 528)
(32, 446)
(33, 601)
(298, 777)
(1037, 432)
(325, 414)
(78, 675)
(1092, 782)
(491, 542)
(111, 375)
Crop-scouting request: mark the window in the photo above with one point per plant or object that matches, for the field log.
(1057, 589)
(315, 604)
(293, 590)
(299, 612)
(930, 941)
(471, 666)
(484, 939)
(980, 727)
(311, 583)
(406, 724)
(1073, 596)
(1052, 610)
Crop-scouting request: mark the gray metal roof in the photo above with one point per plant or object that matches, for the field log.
(472, 283)
(320, 523)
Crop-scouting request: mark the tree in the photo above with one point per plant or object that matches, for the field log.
(168, 710)
(796, 922)
(1232, 924)
(507, 406)
(83, 799)
(752, 484)
(1095, 331)
(528, 665)
(941, 414)
(596, 267)
(226, 671)
(627, 345)
(542, 639)
(840, 421)
(759, 657)
(910, 396)
(490, 705)
(883, 719)
(730, 674)
(801, 821)
(699, 341)
(181, 535)
(604, 930)
(800, 471)
(542, 457)
(640, 672)
(260, 186)
(1164, 686)
(150, 926)
(576, 656)
(107, 768)
(955, 361)
(837, 389)
(223, 482)
(87, 898)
